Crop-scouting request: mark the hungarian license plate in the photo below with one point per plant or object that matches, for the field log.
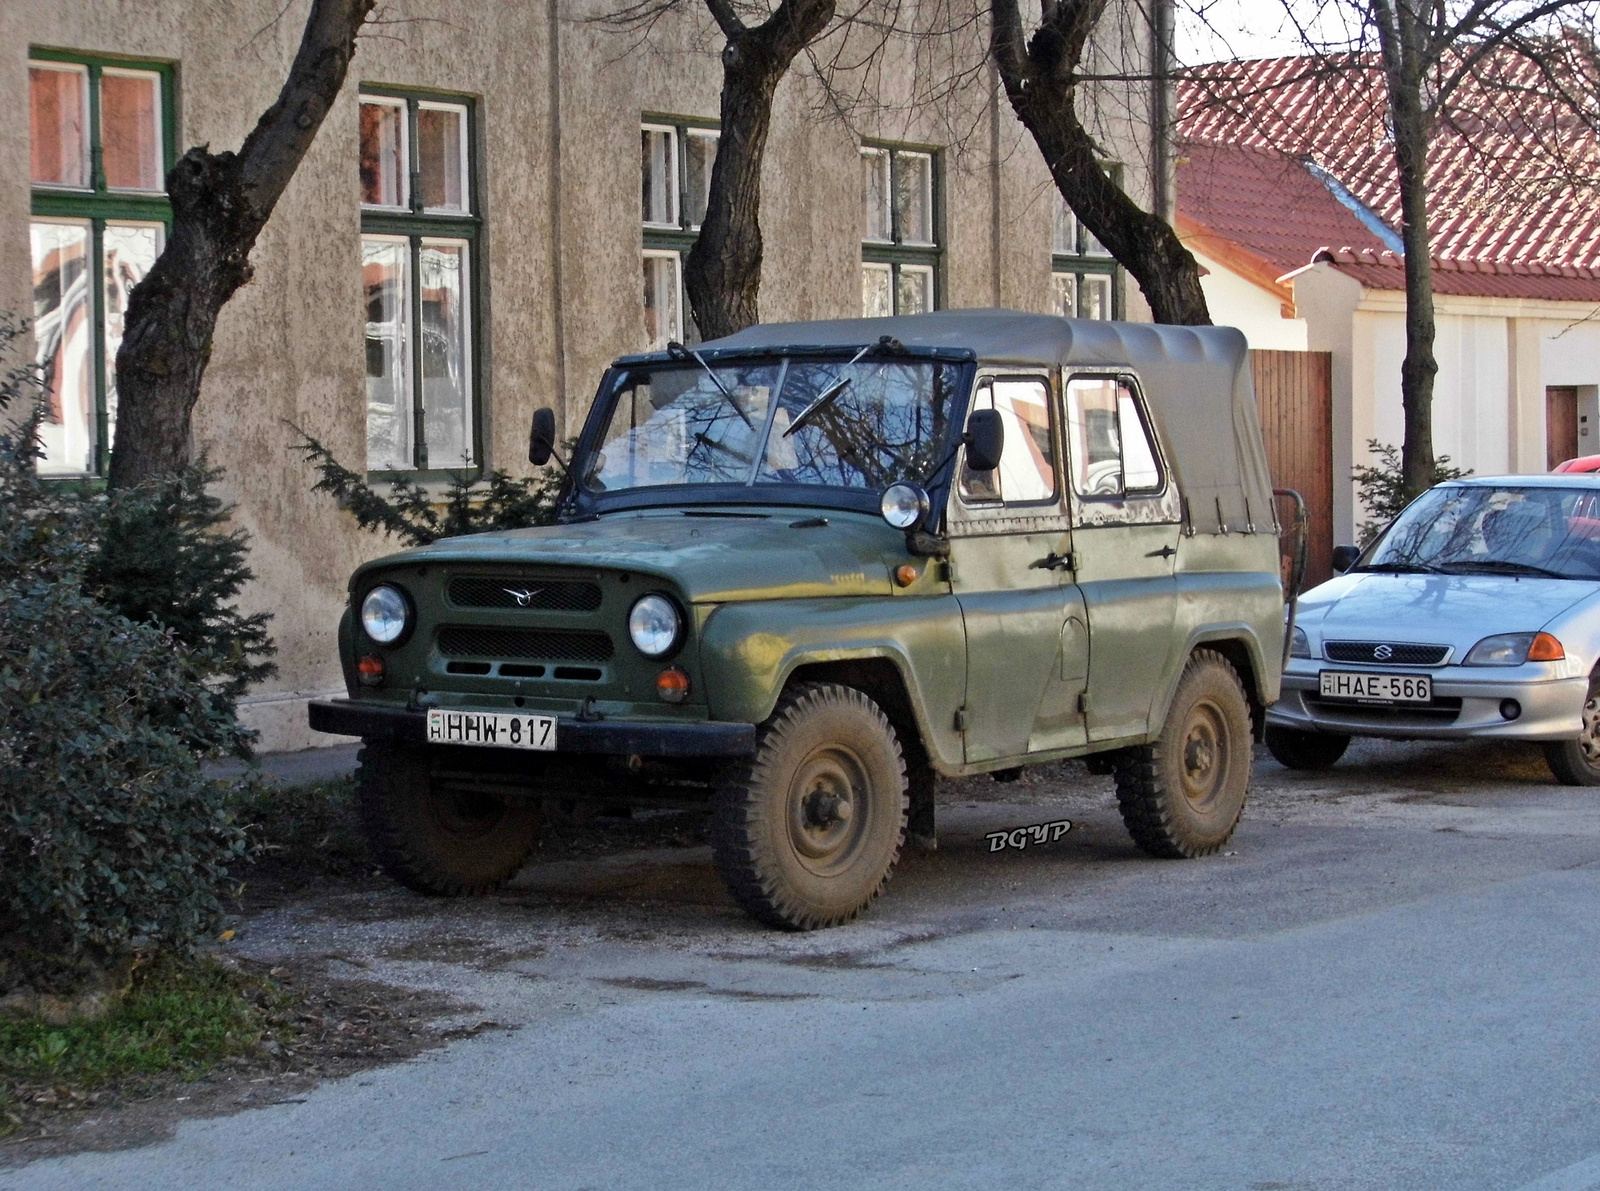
(491, 729)
(1377, 688)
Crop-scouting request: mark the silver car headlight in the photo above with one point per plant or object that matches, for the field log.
(655, 625)
(385, 614)
(1512, 649)
(1299, 644)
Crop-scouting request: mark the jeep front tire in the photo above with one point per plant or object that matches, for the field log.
(436, 837)
(806, 832)
(1182, 795)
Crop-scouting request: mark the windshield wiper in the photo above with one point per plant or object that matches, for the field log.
(1500, 566)
(824, 397)
(677, 349)
(1400, 568)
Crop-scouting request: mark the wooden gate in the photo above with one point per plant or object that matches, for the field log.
(1294, 392)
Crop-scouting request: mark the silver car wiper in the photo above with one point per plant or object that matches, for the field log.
(824, 397)
(1499, 566)
(1400, 568)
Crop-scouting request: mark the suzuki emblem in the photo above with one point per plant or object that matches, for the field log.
(522, 596)
(1383, 653)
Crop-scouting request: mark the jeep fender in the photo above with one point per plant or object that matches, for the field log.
(749, 651)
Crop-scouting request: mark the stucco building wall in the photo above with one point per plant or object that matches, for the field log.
(559, 171)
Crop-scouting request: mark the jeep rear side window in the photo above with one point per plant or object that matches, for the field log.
(1027, 471)
(1110, 442)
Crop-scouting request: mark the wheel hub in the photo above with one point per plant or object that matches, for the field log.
(1205, 754)
(826, 805)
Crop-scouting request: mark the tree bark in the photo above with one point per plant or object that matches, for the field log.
(723, 272)
(220, 203)
(1400, 40)
(1040, 77)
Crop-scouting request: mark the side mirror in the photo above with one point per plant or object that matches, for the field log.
(1344, 557)
(986, 439)
(542, 436)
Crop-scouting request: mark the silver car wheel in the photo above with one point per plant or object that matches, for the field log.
(1589, 742)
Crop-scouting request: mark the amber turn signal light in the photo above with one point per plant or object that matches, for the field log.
(371, 670)
(1545, 648)
(672, 685)
(905, 576)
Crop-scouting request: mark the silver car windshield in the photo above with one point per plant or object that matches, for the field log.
(680, 424)
(1474, 529)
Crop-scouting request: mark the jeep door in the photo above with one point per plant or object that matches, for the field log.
(1126, 516)
(1026, 630)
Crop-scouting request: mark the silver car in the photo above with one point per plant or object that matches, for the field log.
(1476, 613)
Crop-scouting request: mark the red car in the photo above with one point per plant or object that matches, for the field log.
(1581, 463)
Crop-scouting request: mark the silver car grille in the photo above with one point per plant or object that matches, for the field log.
(1385, 653)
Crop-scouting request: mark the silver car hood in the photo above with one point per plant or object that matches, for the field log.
(1455, 610)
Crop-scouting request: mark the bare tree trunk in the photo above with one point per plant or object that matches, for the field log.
(1399, 39)
(723, 272)
(1039, 74)
(220, 203)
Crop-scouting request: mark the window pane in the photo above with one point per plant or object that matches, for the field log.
(700, 150)
(980, 487)
(1139, 461)
(442, 156)
(660, 174)
(914, 290)
(1092, 437)
(130, 251)
(130, 129)
(877, 291)
(383, 154)
(661, 321)
(1027, 472)
(1096, 296)
(63, 337)
(913, 197)
(1064, 294)
(446, 354)
(1092, 246)
(387, 293)
(875, 224)
(1064, 239)
(58, 100)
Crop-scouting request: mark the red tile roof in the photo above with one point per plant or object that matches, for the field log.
(1498, 178)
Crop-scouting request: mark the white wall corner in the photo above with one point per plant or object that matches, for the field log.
(1326, 299)
(1525, 396)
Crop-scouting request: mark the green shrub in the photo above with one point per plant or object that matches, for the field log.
(497, 501)
(110, 835)
(1381, 489)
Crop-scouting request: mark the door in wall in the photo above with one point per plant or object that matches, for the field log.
(1560, 424)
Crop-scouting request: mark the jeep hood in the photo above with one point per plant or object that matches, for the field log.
(709, 557)
(1457, 610)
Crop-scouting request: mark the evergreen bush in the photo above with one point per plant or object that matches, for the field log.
(1381, 488)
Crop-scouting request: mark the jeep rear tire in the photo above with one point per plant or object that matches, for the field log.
(1182, 795)
(806, 831)
(1297, 749)
(435, 837)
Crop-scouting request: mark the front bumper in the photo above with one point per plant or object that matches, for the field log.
(621, 738)
(1466, 703)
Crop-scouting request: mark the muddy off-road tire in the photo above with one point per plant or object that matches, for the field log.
(1182, 796)
(806, 831)
(1577, 762)
(1305, 750)
(437, 838)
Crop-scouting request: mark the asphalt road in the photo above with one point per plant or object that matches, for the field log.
(1390, 981)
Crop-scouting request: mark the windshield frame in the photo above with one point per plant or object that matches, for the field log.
(1364, 562)
(579, 503)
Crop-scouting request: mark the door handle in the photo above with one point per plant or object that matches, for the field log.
(1057, 562)
(1164, 552)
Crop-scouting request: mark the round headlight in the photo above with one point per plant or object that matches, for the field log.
(903, 505)
(655, 625)
(385, 614)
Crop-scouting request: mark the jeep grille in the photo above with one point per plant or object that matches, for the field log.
(551, 595)
(474, 641)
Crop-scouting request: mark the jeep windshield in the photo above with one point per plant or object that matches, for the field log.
(736, 425)
(1482, 530)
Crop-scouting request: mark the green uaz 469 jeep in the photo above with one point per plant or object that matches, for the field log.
(802, 571)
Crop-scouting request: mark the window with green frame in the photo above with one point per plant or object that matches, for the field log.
(420, 224)
(901, 250)
(101, 140)
(1085, 281)
(676, 156)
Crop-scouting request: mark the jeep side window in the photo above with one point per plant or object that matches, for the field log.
(1110, 442)
(1027, 471)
